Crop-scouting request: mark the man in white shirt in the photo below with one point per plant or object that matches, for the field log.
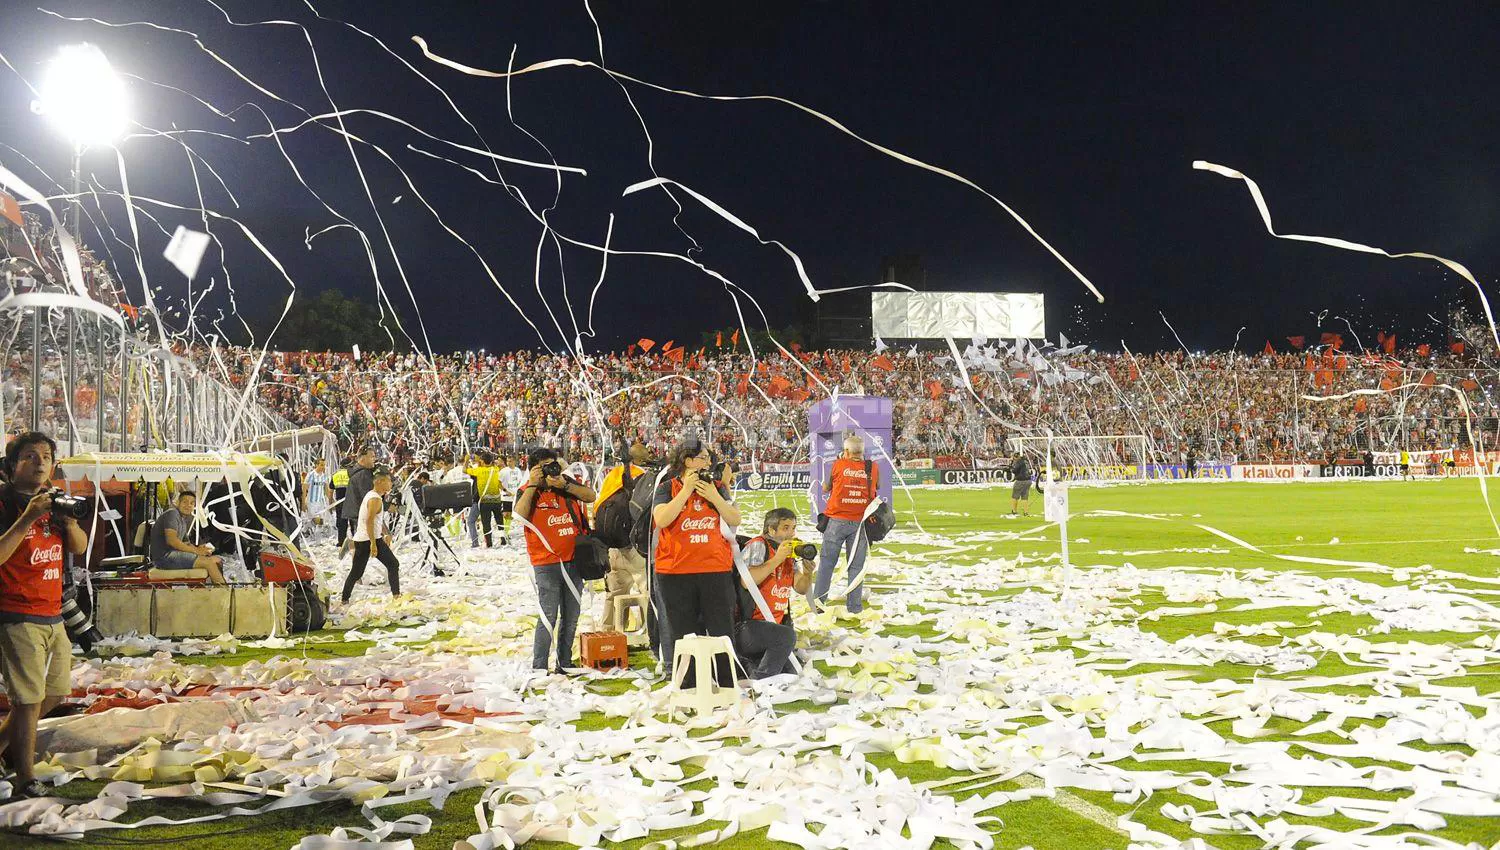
(458, 475)
(511, 479)
(370, 532)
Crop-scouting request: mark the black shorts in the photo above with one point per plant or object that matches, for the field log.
(506, 506)
(1021, 489)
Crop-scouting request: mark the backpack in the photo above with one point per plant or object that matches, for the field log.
(590, 554)
(613, 521)
(640, 510)
(880, 523)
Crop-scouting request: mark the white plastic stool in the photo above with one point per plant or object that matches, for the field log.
(622, 607)
(704, 653)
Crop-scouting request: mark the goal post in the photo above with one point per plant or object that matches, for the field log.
(1100, 457)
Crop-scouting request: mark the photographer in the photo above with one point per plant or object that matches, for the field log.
(546, 509)
(779, 564)
(693, 556)
(170, 549)
(35, 654)
(852, 485)
(370, 533)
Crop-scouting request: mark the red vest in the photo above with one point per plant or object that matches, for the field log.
(693, 542)
(852, 492)
(550, 516)
(31, 580)
(777, 587)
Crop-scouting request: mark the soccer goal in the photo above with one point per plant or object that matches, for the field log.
(1104, 457)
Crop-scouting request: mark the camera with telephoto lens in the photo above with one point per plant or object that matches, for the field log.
(65, 505)
(805, 551)
(551, 469)
(716, 472)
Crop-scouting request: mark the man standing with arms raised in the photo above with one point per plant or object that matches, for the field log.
(36, 657)
(852, 485)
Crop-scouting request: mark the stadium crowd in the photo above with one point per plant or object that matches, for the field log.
(1225, 406)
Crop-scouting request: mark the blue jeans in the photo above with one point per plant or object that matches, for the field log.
(841, 535)
(554, 597)
(471, 522)
(765, 648)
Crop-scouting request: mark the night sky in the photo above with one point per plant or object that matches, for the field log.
(1373, 122)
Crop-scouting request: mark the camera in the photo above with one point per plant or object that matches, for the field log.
(716, 472)
(65, 505)
(551, 469)
(805, 551)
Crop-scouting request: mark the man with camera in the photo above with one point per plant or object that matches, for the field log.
(853, 483)
(549, 508)
(35, 654)
(779, 564)
(170, 549)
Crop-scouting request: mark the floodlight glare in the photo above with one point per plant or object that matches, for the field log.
(83, 96)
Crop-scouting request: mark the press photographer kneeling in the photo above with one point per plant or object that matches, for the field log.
(779, 564)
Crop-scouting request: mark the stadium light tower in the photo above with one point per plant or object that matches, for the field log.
(85, 100)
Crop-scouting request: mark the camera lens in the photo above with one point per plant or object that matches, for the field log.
(807, 551)
(551, 468)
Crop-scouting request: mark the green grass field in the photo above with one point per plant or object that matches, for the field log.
(1411, 534)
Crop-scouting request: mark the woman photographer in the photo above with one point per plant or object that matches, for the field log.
(694, 559)
(547, 508)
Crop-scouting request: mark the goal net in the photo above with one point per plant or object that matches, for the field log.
(1105, 457)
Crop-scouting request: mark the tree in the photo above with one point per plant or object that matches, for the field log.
(331, 322)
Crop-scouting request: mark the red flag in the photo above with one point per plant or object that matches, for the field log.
(1341, 363)
(1135, 371)
(1388, 343)
(719, 339)
(935, 389)
(796, 348)
(646, 344)
(1387, 383)
(1456, 347)
(778, 386)
(1360, 406)
(1308, 362)
(883, 363)
(675, 354)
(1469, 384)
(1269, 349)
(1297, 341)
(1428, 379)
(630, 352)
(734, 338)
(668, 346)
(1424, 350)
(1335, 341)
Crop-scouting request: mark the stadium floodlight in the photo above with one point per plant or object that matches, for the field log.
(83, 96)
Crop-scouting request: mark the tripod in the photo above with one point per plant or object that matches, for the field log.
(431, 539)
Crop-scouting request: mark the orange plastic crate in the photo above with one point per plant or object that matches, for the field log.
(604, 650)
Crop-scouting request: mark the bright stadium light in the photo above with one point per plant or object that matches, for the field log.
(83, 96)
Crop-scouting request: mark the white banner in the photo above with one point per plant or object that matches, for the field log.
(961, 315)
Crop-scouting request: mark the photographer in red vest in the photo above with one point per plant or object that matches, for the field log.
(853, 483)
(694, 559)
(548, 508)
(36, 656)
